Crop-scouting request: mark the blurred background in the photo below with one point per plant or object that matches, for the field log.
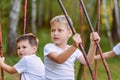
(104, 16)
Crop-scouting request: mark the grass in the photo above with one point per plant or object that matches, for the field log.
(101, 73)
(113, 65)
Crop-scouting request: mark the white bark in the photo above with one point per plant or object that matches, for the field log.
(117, 17)
(12, 27)
(34, 16)
(41, 10)
(107, 24)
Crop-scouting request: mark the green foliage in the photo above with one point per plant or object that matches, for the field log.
(4, 39)
(44, 37)
(113, 65)
(51, 9)
(5, 7)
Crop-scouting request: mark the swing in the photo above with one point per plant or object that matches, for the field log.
(80, 44)
(98, 46)
(92, 30)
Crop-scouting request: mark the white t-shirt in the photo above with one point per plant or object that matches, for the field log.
(54, 71)
(116, 49)
(31, 68)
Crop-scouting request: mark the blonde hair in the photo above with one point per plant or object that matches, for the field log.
(61, 19)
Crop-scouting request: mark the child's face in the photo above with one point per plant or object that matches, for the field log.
(60, 33)
(24, 48)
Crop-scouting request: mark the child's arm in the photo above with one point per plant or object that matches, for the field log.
(91, 53)
(112, 53)
(108, 54)
(62, 57)
(6, 67)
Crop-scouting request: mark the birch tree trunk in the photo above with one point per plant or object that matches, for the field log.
(12, 27)
(107, 24)
(34, 16)
(41, 10)
(117, 17)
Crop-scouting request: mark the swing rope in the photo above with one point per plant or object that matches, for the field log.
(25, 13)
(80, 44)
(2, 71)
(98, 30)
(82, 68)
(82, 35)
(98, 46)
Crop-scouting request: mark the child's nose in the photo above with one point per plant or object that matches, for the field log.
(20, 49)
(56, 32)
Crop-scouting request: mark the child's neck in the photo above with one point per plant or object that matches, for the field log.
(63, 46)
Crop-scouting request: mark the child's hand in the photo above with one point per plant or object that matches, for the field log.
(76, 40)
(94, 37)
(2, 59)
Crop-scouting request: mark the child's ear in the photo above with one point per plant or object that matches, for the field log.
(34, 48)
(70, 33)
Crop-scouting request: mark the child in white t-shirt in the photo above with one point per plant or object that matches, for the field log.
(59, 56)
(115, 51)
(29, 66)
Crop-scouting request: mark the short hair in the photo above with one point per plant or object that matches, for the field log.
(33, 40)
(61, 19)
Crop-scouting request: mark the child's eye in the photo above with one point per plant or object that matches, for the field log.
(18, 48)
(24, 47)
(60, 30)
(52, 30)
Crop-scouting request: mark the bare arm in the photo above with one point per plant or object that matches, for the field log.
(62, 57)
(108, 54)
(92, 49)
(6, 67)
(91, 53)
(93, 37)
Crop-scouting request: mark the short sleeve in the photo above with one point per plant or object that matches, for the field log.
(21, 66)
(79, 53)
(48, 49)
(116, 49)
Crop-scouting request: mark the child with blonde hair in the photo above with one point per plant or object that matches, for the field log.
(59, 57)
